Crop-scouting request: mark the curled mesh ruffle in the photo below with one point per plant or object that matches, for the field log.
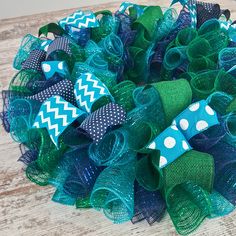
(114, 193)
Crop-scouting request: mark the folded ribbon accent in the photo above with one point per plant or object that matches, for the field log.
(34, 60)
(51, 67)
(45, 44)
(63, 89)
(89, 89)
(28, 43)
(59, 44)
(125, 5)
(56, 114)
(97, 124)
(173, 141)
(80, 19)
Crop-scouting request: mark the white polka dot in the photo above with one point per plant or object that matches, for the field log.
(184, 124)
(169, 142)
(46, 48)
(194, 107)
(201, 125)
(46, 67)
(209, 110)
(44, 43)
(152, 145)
(60, 65)
(174, 122)
(163, 161)
(185, 145)
(174, 127)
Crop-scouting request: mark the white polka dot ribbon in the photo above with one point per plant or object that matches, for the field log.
(45, 44)
(173, 141)
(51, 67)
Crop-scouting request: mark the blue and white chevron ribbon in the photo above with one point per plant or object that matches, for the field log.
(230, 28)
(51, 67)
(125, 5)
(173, 141)
(80, 19)
(88, 89)
(56, 114)
(191, 7)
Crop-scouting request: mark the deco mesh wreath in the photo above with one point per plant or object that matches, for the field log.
(131, 113)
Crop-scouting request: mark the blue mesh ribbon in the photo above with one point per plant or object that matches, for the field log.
(56, 114)
(173, 141)
(148, 205)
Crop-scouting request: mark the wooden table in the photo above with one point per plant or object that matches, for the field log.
(26, 209)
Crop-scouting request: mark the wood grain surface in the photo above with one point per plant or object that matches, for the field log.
(26, 209)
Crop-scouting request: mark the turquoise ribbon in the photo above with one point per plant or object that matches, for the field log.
(89, 89)
(125, 5)
(45, 44)
(80, 20)
(51, 67)
(173, 141)
(192, 8)
(56, 115)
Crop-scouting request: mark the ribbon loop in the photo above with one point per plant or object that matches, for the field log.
(172, 144)
(80, 19)
(173, 141)
(56, 114)
(89, 89)
(50, 68)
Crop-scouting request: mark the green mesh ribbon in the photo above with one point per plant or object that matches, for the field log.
(108, 24)
(205, 83)
(51, 28)
(146, 25)
(122, 94)
(175, 96)
(22, 78)
(148, 173)
(41, 170)
(186, 182)
(147, 22)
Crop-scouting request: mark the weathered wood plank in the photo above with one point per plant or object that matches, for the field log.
(25, 208)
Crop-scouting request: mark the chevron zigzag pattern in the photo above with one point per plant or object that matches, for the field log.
(80, 19)
(193, 13)
(56, 114)
(88, 89)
